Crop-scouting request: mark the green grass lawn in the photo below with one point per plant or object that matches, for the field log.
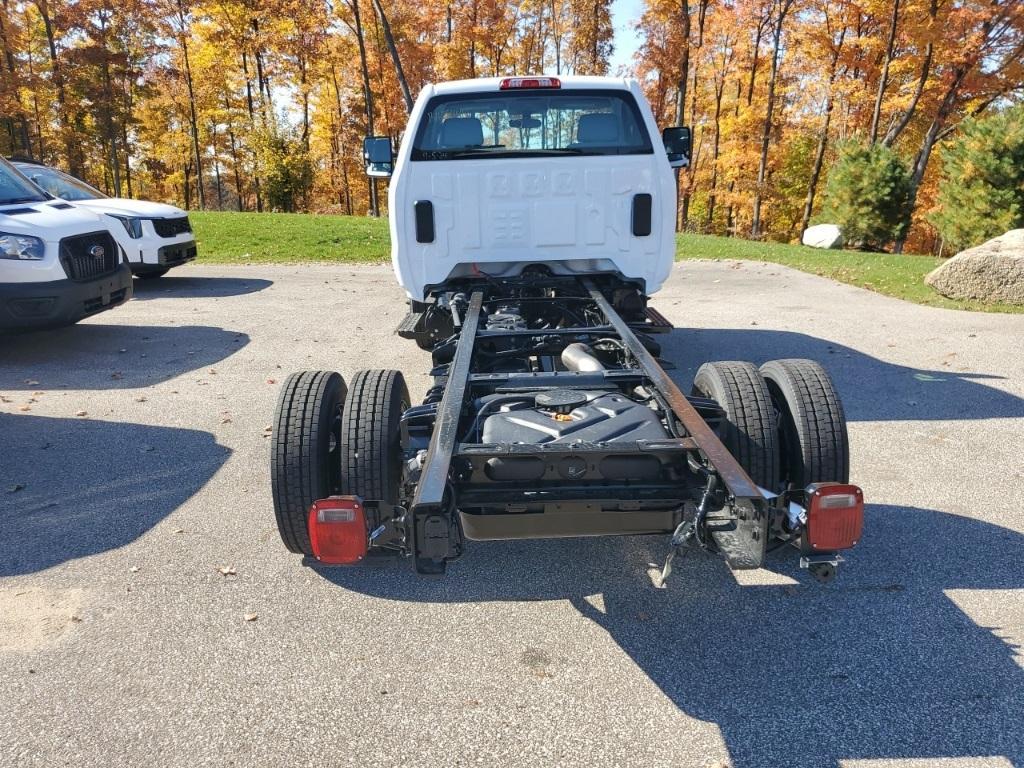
(262, 238)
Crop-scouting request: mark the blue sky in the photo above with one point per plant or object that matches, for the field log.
(625, 15)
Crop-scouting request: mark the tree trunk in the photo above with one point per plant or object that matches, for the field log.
(129, 108)
(691, 170)
(71, 151)
(883, 79)
(234, 154)
(819, 154)
(262, 79)
(379, 43)
(305, 100)
(367, 96)
(250, 104)
(187, 189)
(395, 58)
(26, 143)
(35, 111)
(681, 86)
(193, 119)
(684, 62)
(766, 131)
(108, 117)
(715, 150)
(900, 125)
(928, 142)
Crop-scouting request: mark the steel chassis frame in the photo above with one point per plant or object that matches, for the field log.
(715, 497)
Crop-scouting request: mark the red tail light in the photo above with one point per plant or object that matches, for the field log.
(835, 516)
(337, 530)
(512, 83)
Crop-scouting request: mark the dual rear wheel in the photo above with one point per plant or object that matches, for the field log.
(329, 439)
(783, 422)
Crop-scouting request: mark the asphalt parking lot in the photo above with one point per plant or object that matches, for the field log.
(134, 472)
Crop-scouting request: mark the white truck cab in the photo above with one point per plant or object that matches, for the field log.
(58, 263)
(155, 236)
(497, 174)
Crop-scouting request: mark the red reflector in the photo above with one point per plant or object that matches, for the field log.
(511, 83)
(835, 515)
(337, 530)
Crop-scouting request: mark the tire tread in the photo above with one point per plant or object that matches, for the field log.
(370, 425)
(749, 433)
(823, 452)
(298, 475)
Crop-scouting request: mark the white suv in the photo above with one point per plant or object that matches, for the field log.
(58, 263)
(155, 236)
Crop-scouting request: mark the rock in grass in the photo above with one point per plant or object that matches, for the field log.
(823, 236)
(991, 272)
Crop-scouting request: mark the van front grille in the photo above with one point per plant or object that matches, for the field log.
(87, 257)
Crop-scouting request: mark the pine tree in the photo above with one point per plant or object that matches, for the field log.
(982, 195)
(868, 196)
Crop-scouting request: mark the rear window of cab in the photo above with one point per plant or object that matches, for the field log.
(536, 123)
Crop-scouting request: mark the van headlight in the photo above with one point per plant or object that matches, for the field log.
(21, 247)
(132, 225)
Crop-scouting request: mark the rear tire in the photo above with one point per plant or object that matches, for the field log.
(371, 436)
(305, 456)
(813, 440)
(748, 430)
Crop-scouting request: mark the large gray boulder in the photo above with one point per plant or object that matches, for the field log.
(992, 271)
(823, 236)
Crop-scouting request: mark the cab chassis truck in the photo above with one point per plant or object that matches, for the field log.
(550, 413)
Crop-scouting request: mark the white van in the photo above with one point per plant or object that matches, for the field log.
(58, 263)
(591, 189)
(155, 236)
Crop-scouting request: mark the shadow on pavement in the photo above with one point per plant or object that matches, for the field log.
(192, 287)
(871, 389)
(111, 356)
(881, 664)
(91, 486)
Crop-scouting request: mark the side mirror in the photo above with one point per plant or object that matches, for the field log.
(378, 156)
(678, 142)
